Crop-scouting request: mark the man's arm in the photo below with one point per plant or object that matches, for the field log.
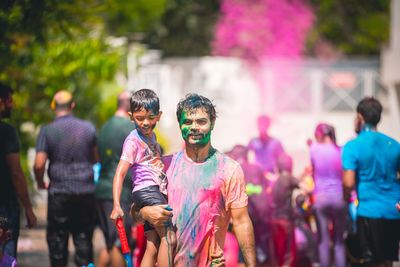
(243, 228)
(349, 180)
(18, 179)
(39, 168)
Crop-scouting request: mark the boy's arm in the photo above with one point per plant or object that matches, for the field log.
(243, 228)
(120, 173)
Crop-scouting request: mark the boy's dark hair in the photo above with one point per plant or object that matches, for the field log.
(5, 90)
(4, 223)
(370, 109)
(195, 101)
(147, 99)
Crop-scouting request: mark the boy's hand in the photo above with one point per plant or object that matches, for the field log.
(116, 213)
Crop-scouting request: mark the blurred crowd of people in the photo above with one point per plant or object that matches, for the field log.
(297, 221)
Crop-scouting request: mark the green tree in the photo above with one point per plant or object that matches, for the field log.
(47, 45)
(351, 26)
(186, 28)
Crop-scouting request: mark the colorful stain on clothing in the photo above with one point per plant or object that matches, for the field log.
(144, 155)
(201, 195)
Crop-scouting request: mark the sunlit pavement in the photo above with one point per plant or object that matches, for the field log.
(32, 245)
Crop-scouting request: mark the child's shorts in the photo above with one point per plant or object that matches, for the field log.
(149, 196)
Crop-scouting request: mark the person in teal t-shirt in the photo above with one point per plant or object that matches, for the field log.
(371, 163)
(110, 141)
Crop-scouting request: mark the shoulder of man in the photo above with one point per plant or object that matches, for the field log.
(229, 164)
(9, 138)
(6, 127)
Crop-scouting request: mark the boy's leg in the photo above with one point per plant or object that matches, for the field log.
(166, 251)
(152, 244)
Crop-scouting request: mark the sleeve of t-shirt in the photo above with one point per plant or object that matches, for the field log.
(235, 187)
(94, 135)
(129, 151)
(349, 157)
(41, 143)
(12, 143)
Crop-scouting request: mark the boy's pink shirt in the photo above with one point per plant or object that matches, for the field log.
(201, 195)
(146, 165)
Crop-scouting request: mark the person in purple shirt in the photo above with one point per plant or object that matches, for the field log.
(266, 148)
(328, 192)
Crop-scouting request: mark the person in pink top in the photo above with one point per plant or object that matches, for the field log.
(142, 155)
(206, 189)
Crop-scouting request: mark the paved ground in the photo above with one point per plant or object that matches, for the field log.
(32, 246)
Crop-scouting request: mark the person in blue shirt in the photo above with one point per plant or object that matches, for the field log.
(371, 164)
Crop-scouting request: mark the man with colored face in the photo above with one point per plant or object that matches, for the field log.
(206, 189)
(12, 180)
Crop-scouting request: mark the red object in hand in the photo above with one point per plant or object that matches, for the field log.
(122, 236)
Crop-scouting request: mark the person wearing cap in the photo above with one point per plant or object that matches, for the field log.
(13, 185)
(69, 144)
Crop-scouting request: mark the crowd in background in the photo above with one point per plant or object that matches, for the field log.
(298, 221)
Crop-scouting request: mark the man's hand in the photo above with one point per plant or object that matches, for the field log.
(41, 184)
(30, 218)
(156, 215)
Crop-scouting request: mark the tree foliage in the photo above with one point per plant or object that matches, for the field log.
(47, 45)
(186, 28)
(351, 26)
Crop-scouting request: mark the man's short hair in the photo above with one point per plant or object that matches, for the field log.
(5, 91)
(370, 109)
(195, 101)
(145, 99)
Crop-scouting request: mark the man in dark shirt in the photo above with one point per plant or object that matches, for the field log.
(69, 144)
(110, 141)
(12, 179)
